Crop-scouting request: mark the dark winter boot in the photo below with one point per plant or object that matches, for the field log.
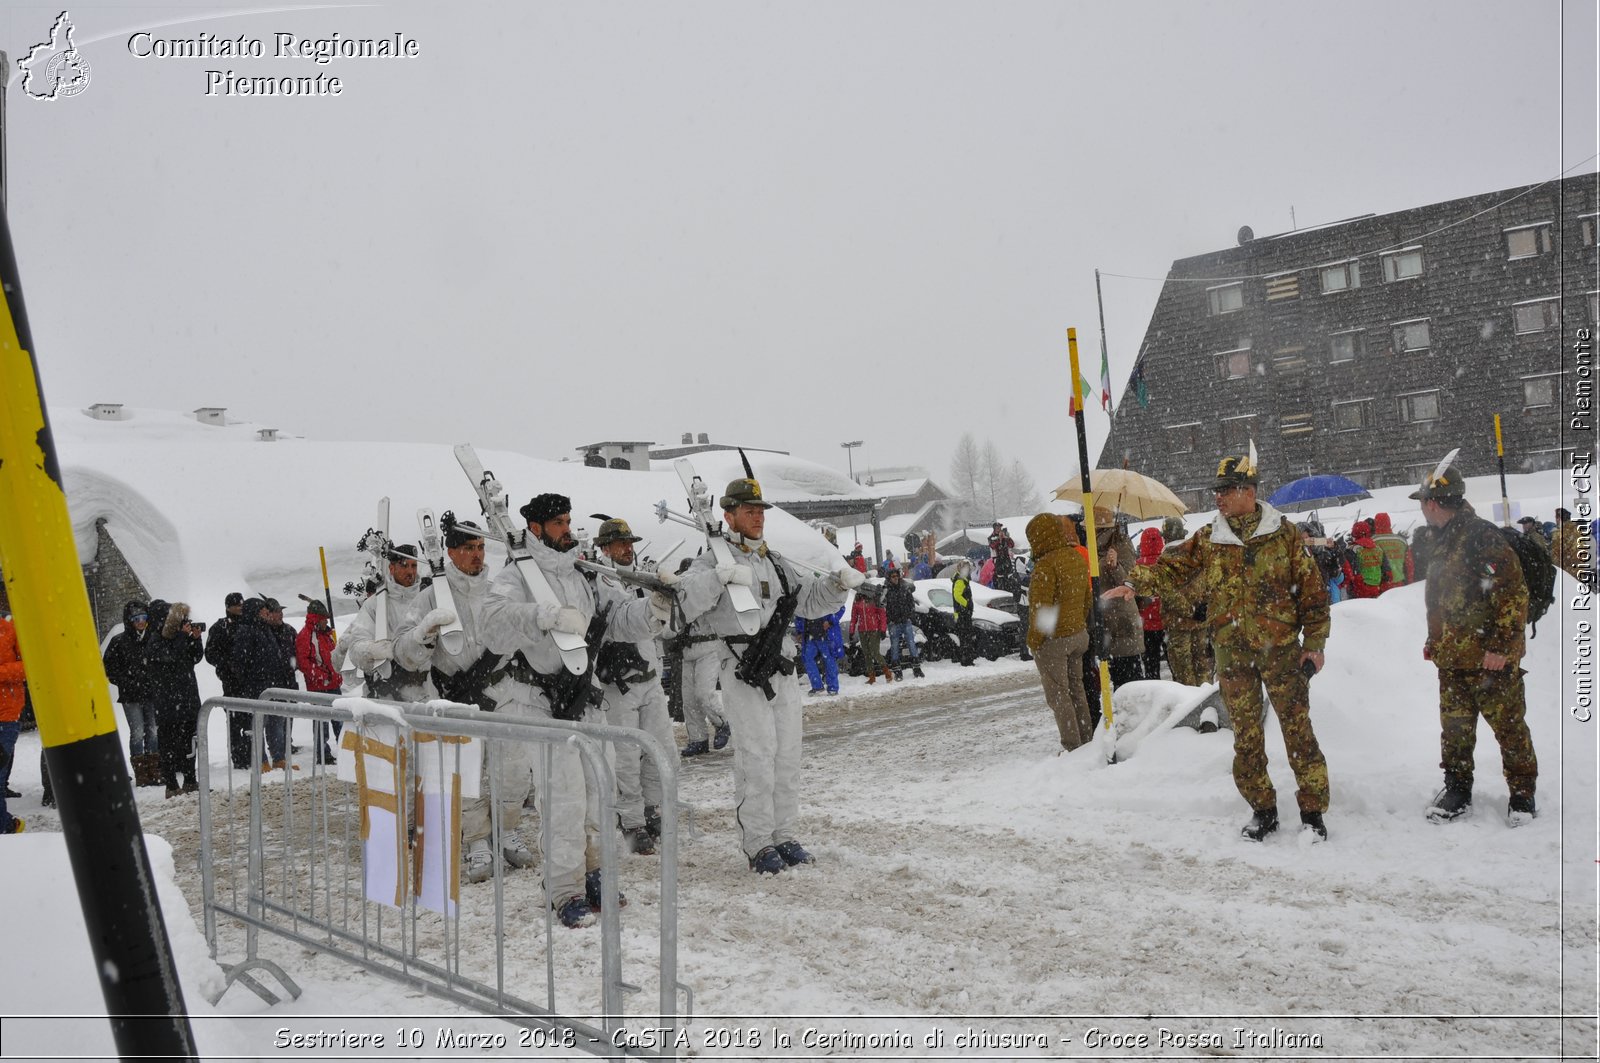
(1520, 811)
(1313, 827)
(724, 732)
(1263, 823)
(652, 820)
(1453, 802)
(916, 669)
(639, 841)
(794, 853)
(695, 749)
(591, 890)
(767, 862)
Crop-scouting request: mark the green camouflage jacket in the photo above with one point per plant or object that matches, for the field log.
(1260, 588)
(1477, 598)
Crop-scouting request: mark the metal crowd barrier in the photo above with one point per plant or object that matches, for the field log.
(295, 870)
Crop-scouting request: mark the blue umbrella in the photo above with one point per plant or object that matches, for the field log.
(1315, 492)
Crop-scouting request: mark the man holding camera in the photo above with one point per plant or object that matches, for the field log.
(1267, 609)
(170, 654)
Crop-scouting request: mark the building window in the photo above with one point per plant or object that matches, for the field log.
(1419, 406)
(1586, 229)
(1553, 458)
(1411, 336)
(1234, 364)
(1183, 438)
(1352, 415)
(1196, 498)
(1238, 431)
(1226, 299)
(1367, 478)
(1289, 360)
(1415, 474)
(1539, 391)
(1344, 346)
(1536, 315)
(1402, 265)
(1526, 241)
(1295, 424)
(1340, 276)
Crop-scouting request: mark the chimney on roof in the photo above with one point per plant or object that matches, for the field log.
(688, 438)
(704, 438)
(267, 435)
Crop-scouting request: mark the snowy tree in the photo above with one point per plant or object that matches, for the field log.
(987, 485)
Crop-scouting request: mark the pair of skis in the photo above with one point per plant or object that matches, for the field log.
(492, 498)
(742, 598)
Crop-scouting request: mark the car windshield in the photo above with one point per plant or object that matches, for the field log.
(940, 596)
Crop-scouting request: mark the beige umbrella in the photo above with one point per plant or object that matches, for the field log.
(1127, 491)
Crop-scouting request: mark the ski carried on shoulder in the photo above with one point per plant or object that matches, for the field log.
(492, 498)
(742, 598)
(376, 542)
(431, 543)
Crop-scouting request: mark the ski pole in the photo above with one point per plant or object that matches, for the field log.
(1094, 552)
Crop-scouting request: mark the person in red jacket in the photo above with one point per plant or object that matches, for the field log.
(13, 688)
(868, 622)
(1151, 544)
(313, 651)
(1364, 563)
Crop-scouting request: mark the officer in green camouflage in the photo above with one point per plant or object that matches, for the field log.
(1477, 608)
(1267, 608)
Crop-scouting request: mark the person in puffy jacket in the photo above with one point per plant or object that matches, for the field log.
(170, 655)
(1364, 564)
(1394, 551)
(1122, 629)
(868, 622)
(1151, 544)
(13, 695)
(965, 607)
(124, 664)
(1058, 626)
(313, 652)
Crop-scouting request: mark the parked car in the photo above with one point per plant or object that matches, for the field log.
(999, 631)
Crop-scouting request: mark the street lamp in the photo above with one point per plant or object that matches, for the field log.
(850, 454)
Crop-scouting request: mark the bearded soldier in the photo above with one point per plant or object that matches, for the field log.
(1268, 613)
(1477, 605)
(766, 715)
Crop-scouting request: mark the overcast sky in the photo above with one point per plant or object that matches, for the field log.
(786, 225)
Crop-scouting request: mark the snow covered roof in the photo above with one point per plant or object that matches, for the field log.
(784, 478)
(202, 510)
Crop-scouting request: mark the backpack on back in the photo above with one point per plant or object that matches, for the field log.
(1538, 571)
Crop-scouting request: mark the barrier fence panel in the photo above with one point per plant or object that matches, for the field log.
(363, 863)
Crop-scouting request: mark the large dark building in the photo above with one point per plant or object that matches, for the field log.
(1370, 347)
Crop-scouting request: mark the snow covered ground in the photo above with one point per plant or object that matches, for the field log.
(969, 879)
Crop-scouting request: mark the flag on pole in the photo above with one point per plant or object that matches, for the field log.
(1079, 395)
(1136, 383)
(1105, 378)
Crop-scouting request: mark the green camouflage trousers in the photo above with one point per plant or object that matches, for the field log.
(1498, 697)
(1187, 657)
(1241, 675)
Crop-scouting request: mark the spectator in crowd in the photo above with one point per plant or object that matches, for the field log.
(313, 650)
(857, 559)
(171, 653)
(1151, 544)
(257, 660)
(1058, 625)
(125, 669)
(13, 694)
(920, 569)
(1570, 548)
(986, 572)
(1123, 631)
(1393, 545)
(900, 607)
(285, 636)
(868, 623)
(887, 564)
(965, 606)
(1002, 546)
(1364, 564)
(822, 644)
(219, 654)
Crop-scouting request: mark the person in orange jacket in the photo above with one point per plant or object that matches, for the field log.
(13, 692)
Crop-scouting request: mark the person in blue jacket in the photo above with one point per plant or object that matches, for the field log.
(821, 640)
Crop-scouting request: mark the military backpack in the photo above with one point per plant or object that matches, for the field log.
(1538, 571)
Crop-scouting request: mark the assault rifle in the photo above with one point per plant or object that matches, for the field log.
(763, 655)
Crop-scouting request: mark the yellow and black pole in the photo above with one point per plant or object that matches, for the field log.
(72, 700)
(327, 591)
(1109, 732)
(1500, 453)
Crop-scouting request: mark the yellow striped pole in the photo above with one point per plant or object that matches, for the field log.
(1500, 453)
(1095, 638)
(72, 701)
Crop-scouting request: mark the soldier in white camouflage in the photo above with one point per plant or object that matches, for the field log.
(1267, 609)
(1477, 607)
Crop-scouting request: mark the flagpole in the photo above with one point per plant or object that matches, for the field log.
(1105, 361)
(1094, 551)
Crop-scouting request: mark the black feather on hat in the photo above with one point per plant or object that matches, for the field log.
(458, 532)
(543, 507)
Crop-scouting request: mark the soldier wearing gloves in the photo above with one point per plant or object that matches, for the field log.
(365, 651)
(766, 715)
(540, 686)
(1263, 596)
(630, 674)
(474, 676)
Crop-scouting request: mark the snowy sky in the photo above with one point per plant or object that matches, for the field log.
(578, 222)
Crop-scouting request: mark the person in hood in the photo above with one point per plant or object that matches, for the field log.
(1267, 609)
(965, 608)
(540, 687)
(1365, 567)
(868, 622)
(858, 559)
(125, 669)
(1151, 546)
(1394, 549)
(171, 653)
(374, 657)
(313, 652)
(1058, 626)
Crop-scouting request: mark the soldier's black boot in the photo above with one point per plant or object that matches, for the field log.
(1263, 823)
(1520, 810)
(1312, 825)
(1453, 802)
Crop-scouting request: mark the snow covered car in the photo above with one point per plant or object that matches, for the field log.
(999, 631)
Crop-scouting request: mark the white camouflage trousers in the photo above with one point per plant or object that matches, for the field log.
(702, 702)
(643, 707)
(766, 758)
